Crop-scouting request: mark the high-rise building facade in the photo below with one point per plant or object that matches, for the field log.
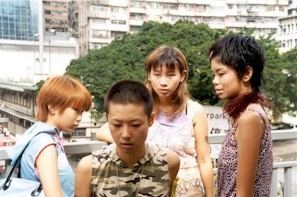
(18, 19)
(101, 21)
(55, 15)
(287, 34)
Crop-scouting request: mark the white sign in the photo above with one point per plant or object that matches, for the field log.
(217, 125)
(217, 121)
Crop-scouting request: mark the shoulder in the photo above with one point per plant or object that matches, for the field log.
(194, 105)
(43, 138)
(104, 153)
(85, 164)
(198, 115)
(250, 116)
(194, 109)
(38, 144)
(250, 124)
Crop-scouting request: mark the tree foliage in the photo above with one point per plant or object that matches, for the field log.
(124, 59)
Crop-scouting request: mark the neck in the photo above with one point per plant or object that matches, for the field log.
(130, 158)
(165, 105)
(50, 121)
(165, 101)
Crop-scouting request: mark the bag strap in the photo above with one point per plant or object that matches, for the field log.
(16, 165)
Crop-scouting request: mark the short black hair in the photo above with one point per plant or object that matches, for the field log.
(129, 92)
(239, 51)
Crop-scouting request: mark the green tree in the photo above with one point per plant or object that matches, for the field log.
(289, 83)
(124, 59)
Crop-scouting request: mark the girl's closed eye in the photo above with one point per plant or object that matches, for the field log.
(156, 74)
(136, 125)
(116, 125)
(77, 110)
(221, 74)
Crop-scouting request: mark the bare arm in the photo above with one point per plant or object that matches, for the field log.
(248, 136)
(173, 167)
(83, 176)
(202, 147)
(103, 134)
(47, 166)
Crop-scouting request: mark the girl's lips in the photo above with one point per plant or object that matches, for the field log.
(126, 145)
(163, 91)
(219, 91)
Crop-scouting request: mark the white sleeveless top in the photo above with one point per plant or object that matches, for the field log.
(177, 134)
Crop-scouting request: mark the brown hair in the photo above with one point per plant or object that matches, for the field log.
(62, 92)
(171, 58)
(236, 106)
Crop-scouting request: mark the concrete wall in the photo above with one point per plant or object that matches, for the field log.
(20, 59)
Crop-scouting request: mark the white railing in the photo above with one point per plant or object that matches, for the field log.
(284, 179)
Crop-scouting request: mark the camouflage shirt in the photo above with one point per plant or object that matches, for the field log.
(112, 177)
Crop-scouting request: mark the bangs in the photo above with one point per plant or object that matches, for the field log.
(80, 100)
(70, 93)
(169, 63)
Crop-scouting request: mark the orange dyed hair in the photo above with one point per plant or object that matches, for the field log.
(62, 92)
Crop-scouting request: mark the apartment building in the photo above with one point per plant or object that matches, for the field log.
(55, 15)
(287, 34)
(101, 21)
(73, 18)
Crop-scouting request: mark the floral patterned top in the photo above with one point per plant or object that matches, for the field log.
(227, 161)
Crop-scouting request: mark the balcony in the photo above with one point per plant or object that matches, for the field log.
(284, 178)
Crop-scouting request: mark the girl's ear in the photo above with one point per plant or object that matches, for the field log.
(183, 76)
(248, 74)
(51, 109)
(148, 74)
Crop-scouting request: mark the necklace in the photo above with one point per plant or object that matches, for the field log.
(139, 177)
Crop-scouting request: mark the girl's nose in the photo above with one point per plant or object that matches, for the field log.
(214, 80)
(163, 81)
(79, 117)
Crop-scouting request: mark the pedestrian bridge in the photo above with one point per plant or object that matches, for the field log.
(284, 179)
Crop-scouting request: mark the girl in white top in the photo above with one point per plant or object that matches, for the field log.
(180, 123)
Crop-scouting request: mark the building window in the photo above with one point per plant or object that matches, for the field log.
(99, 34)
(79, 132)
(117, 34)
(99, 21)
(121, 22)
(99, 8)
(47, 12)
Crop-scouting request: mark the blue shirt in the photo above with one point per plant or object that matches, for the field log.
(48, 135)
